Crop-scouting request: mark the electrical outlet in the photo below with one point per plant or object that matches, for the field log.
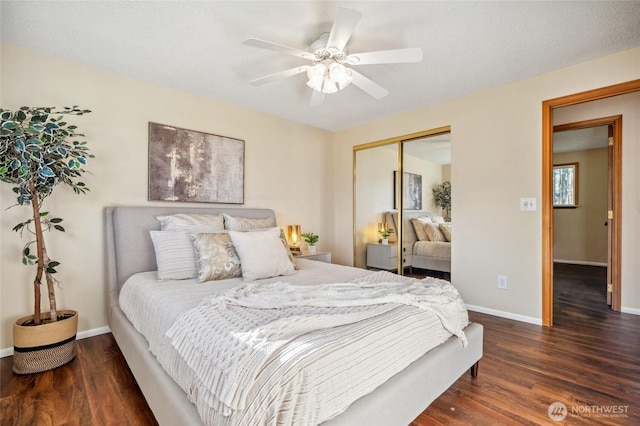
(502, 282)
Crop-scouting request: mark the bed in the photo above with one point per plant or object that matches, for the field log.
(425, 254)
(396, 401)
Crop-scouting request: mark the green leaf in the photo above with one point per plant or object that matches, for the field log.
(56, 220)
(59, 227)
(43, 214)
(53, 264)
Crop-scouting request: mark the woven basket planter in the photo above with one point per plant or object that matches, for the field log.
(45, 346)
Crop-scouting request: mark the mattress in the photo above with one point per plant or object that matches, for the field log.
(439, 249)
(305, 386)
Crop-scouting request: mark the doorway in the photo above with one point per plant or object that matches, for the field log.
(548, 108)
(583, 188)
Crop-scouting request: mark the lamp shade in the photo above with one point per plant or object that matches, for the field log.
(293, 235)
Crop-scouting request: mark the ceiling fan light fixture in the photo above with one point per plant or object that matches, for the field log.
(316, 75)
(339, 74)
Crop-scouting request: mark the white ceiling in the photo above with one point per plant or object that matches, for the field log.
(196, 46)
(581, 139)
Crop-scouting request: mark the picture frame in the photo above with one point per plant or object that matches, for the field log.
(565, 185)
(412, 195)
(193, 166)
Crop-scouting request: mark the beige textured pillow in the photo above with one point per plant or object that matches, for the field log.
(232, 223)
(217, 258)
(433, 232)
(418, 226)
(194, 223)
(445, 228)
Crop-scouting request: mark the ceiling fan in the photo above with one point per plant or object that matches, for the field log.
(330, 69)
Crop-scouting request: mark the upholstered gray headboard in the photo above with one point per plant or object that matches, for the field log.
(129, 246)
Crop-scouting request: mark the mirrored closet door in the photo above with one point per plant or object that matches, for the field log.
(388, 174)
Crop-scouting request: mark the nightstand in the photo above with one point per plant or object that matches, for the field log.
(385, 256)
(321, 256)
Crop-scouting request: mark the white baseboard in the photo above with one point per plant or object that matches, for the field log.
(633, 311)
(503, 314)
(580, 262)
(81, 335)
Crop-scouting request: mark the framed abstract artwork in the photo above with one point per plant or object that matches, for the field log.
(412, 194)
(191, 166)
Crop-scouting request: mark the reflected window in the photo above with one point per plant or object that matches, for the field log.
(565, 185)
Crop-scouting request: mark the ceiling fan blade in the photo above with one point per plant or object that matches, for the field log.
(262, 44)
(279, 75)
(397, 56)
(343, 26)
(317, 99)
(368, 86)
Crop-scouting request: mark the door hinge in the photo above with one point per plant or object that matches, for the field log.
(610, 140)
(609, 288)
(610, 214)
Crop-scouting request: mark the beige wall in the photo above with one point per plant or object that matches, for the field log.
(579, 235)
(496, 148)
(287, 168)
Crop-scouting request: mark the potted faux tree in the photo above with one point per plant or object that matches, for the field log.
(311, 239)
(442, 197)
(38, 151)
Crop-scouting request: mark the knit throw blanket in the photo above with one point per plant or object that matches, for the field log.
(228, 339)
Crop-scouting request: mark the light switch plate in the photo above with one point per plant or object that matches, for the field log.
(528, 204)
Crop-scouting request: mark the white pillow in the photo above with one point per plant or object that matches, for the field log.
(437, 219)
(233, 223)
(262, 254)
(175, 255)
(196, 223)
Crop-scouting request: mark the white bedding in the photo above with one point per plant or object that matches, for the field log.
(439, 249)
(308, 381)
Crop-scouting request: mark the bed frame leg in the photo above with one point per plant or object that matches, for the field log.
(474, 369)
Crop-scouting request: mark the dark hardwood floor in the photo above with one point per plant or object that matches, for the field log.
(589, 361)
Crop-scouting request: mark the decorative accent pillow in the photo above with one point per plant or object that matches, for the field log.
(175, 256)
(283, 238)
(433, 232)
(262, 254)
(193, 223)
(216, 257)
(418, 226)
(445, 228)
(232, 223)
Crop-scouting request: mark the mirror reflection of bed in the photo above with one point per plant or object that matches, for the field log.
(426, 160)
